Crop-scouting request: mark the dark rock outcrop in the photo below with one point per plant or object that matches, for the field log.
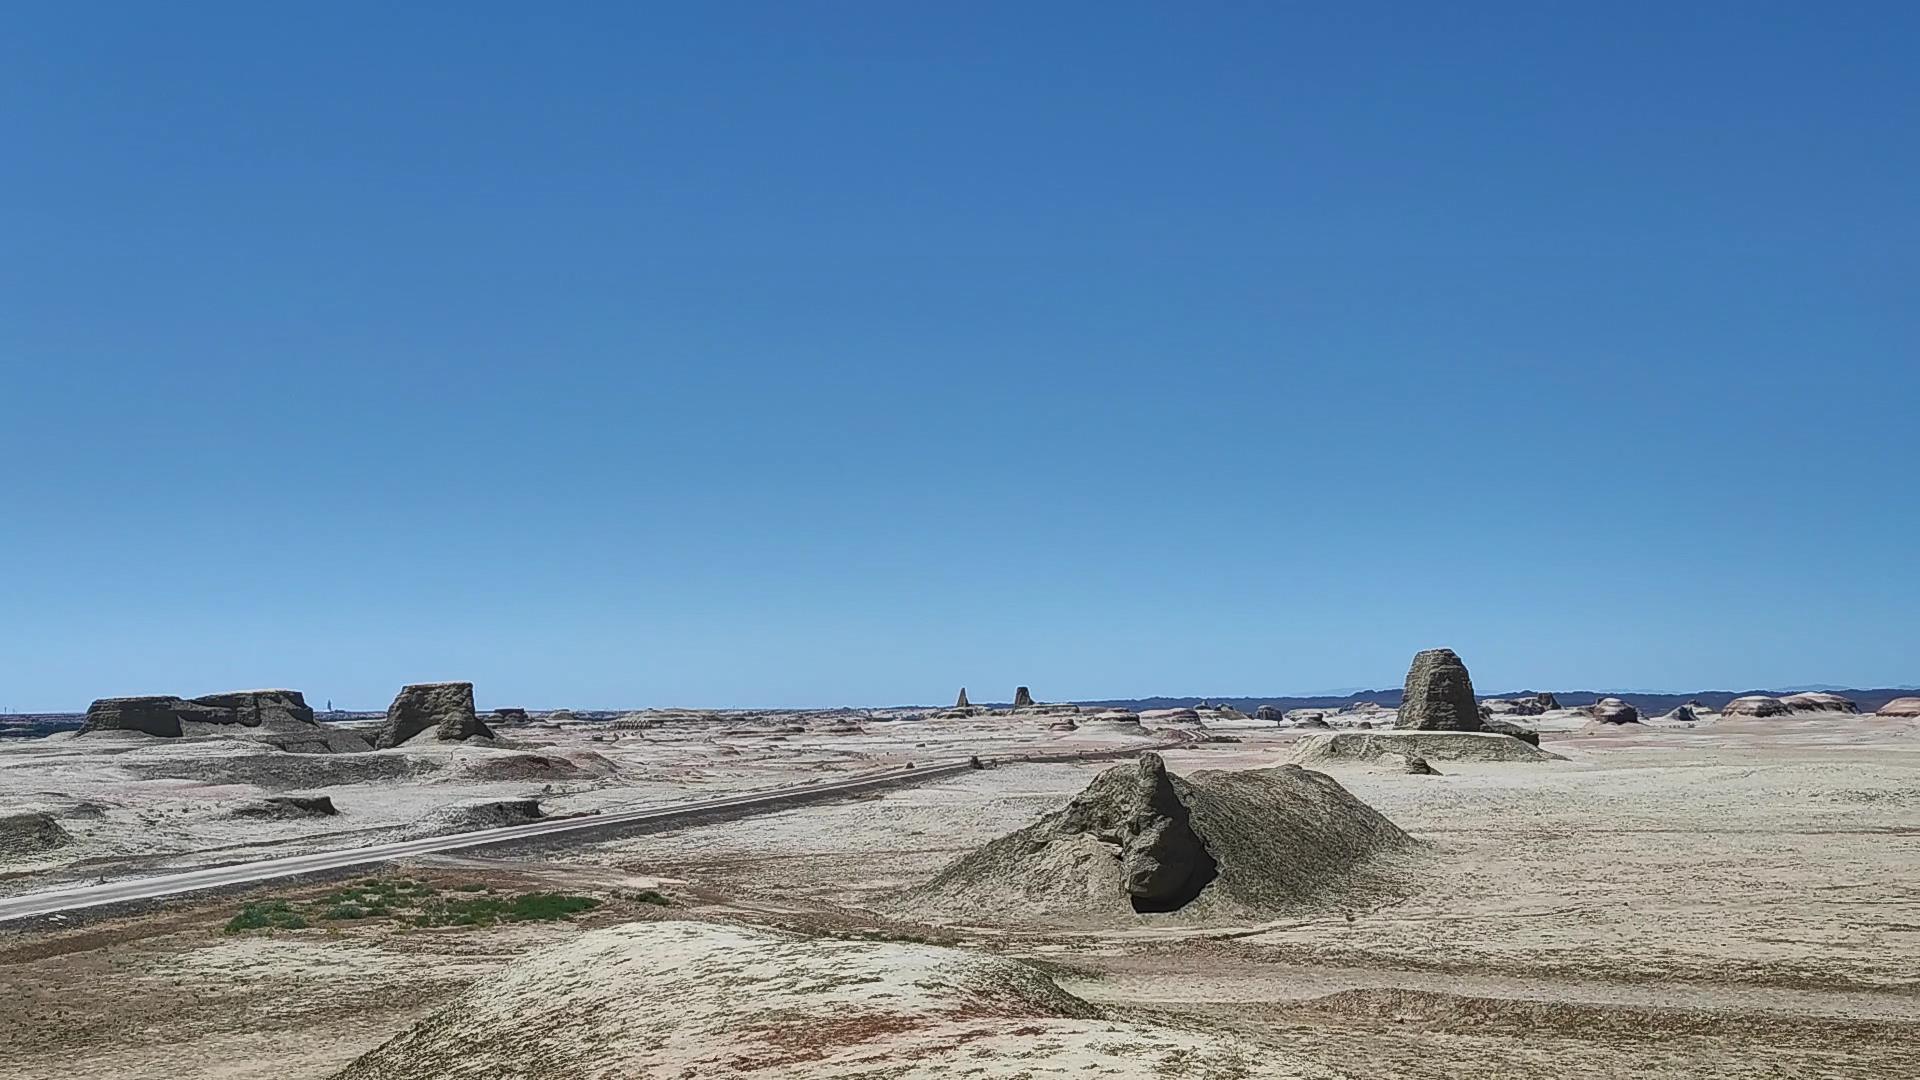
(1821, 703)
(510, 716)
(1756, 705)
(255, 708)
(1439, 694)
(1022, 698)
(289, 807)
(480, 815)
(163, 716)
(1418, 766)
(1524, 734)
(445, 708)
(1614, 711)
(1273, 714)
(961, 702)
(1163, 863)
(23, 836)
(279, 718)
(1546, 701)
(1209, 845)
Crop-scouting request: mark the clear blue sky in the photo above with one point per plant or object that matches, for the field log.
(738, 354)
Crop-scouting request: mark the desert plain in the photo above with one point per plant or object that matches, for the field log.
(1729, 896)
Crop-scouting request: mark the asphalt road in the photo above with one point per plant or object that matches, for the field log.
(55, 901)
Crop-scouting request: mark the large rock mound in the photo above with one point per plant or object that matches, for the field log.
(444, 708)
(686, 999)
(1439, 694)
(25, 836)
(288, 808)
(1215, 844)
(1902, 706)
(1369, 746)
(470, 817)
(1612, 710)
(280, 718)
(1756, 705)
(1820, 703)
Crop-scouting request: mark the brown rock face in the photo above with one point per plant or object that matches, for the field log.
(961, 702)
(1270, 713)
(447, 708)
(1439, 694)
(1022, 699)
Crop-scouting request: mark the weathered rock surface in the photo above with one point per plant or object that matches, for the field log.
(1820, 703)
(1681, 714)
(446, 709)
(961, 702)
(1419, 767)
(479, 815)
(1366, 746)
(1614, 711)
(1439, 694)
(510, 716)
(1022, 698)
(1163, 864)
(1503, 727)
(25, 836)
(1272, 714)
(289, 807)
(1905, 706)
(709, 1001)
(159, 716)
(280, 718)
(1511, 707)
(1142, 840)
(1756, 705)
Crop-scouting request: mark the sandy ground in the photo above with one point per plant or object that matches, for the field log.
(1737, 899)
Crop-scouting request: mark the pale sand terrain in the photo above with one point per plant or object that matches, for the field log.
(1736, 899)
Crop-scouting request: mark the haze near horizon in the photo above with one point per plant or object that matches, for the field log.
(817, 356)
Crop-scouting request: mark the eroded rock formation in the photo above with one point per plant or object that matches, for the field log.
(1756, 705)
(279, 718)
(1439, 694)
(1022, 699)
(1614, 711)
(445, 708)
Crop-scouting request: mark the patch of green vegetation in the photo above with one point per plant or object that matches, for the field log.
(268, 915)
(410, 903)
(649, 896)
(487, 910)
